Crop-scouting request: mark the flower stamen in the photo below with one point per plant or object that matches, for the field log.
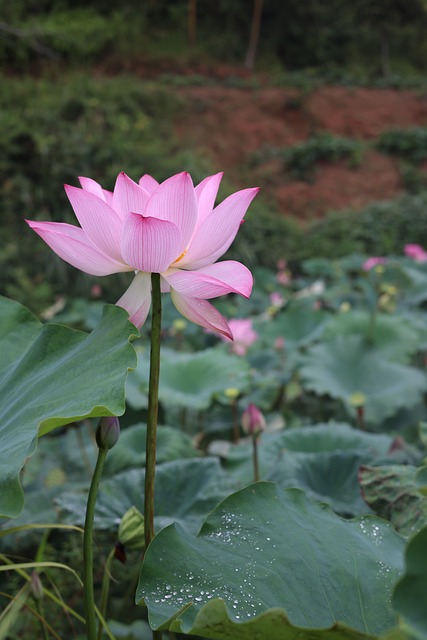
(181, 256)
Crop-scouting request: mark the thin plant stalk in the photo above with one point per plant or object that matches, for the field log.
(152, 415)
(89, 596)
(153, 408)
(255, 458)
(105, 591)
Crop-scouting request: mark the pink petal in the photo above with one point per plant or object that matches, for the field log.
(72, 245)
(218, 231)
(175, 201)
(201, 312)
(128, 196)
(206, 193)
(148, 183)
(213, 281)
(137, 299)
(150, 244)
(98, 220)
(94, 187)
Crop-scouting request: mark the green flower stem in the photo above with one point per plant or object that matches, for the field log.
(255, 458)
(89, 598)
(105, 591)
(153, 408)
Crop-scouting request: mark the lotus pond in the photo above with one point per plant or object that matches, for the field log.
(329, 544)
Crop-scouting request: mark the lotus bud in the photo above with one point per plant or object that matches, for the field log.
(36, 586)
(108, 432)
(253, 421)
(131, 529)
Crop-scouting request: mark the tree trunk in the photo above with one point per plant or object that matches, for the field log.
(192, 21)
(254, 36)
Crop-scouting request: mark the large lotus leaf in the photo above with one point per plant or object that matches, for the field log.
(409, 597)
(328, 438)
(191, 380)
(51, 375)
(393, 492)
(417, 318)
(323, 460)
(416, 292)
(185, 492)
(328, 477)
(394, 337)
(347, 366)
(265, 550)
(298, 325)
(129, 452)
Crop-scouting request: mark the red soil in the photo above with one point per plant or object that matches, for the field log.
(232, 124)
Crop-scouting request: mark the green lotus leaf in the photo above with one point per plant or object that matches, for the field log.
(273, 555)
(409, 597)
(394, 337)
(299, 325)
(346, 367)
(50, 376)
(190, 380)
(186, 491)
(129, 452)
(416, 292)
(323, 460)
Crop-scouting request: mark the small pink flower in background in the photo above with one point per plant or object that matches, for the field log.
(243, 335)
(253, 422)
(276, 299)
(96, 291)
(370, 263)
(170, 228)
(283, 276)
(416, 252)
(279, 343)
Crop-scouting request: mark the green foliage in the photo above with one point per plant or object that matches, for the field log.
(408, 597)
(300, 160)
(51, 376)
(410, 143)
(80, 126)
(382, 228)
(241, 545)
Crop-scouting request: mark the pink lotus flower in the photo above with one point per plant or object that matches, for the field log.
(172, 229)
(370, 263)
(416, 252)
(243, 335)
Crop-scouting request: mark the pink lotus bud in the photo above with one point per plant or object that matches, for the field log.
(108, 432)
(253, 422)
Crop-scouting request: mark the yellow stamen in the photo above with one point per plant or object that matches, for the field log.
(181, 256)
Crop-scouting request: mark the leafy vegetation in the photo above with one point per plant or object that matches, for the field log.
(342, 393)
(300, 160)
(410, 143)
